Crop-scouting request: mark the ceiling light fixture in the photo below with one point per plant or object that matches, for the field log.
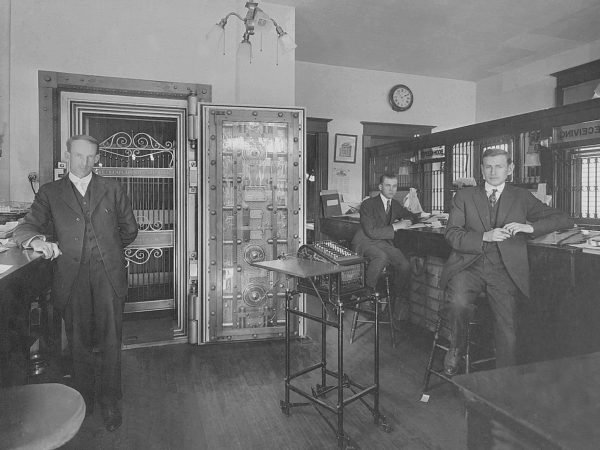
(256, 19)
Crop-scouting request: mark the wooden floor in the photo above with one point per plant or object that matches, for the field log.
(226, 396)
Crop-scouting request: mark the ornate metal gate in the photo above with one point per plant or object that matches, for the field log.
(146, 168)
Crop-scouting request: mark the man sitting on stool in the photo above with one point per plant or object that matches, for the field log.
(487, 230)
(380, 217)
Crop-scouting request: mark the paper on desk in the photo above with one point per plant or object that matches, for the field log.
(541, 194)
(541, 188)
(4, 267)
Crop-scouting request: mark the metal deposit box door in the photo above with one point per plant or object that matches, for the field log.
(252, 195)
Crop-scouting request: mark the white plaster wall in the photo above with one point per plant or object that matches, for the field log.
(145, 39)
(349, 96)
(529, 88)
(4, 99)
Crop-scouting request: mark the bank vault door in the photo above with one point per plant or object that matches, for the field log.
(252, 166)
(144, 149)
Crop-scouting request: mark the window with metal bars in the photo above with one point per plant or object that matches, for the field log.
(462, 162)
(577, 173)
(432, 190)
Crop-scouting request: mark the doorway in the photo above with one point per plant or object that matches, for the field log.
(315, 180)
(142, 145)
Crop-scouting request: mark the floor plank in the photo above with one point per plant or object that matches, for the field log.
(226, 396)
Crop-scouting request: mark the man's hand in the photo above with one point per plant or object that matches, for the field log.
(496, 235)
(402, 224)
(514, 228)
(50, 250)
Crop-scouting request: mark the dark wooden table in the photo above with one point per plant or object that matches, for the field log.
(28, 280)
(546, 405)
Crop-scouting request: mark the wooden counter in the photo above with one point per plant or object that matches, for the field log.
(28, 280)
(549, 405)
(562, 316)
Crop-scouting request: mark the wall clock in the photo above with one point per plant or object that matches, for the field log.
(400, 97)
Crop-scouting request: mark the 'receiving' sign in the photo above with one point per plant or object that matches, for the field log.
(432, 153)
(577, 132)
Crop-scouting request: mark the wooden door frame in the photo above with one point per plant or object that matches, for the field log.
(51, 84)
(318, 127)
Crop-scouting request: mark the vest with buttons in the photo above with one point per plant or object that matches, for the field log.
(490, 249)
(90, 245)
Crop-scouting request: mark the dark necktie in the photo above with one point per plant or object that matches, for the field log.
(493, 199)
(388, 211)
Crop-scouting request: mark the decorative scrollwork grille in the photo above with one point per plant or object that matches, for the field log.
(137, 147)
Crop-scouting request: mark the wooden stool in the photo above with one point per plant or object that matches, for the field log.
(39, 416)
(383, 300)
(469, 363)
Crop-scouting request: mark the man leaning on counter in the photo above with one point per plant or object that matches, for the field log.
(82, 222)
(487, 231)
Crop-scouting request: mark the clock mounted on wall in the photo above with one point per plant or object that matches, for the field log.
(400, 97)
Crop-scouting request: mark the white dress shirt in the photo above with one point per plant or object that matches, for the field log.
(81, 183)
(489, 188)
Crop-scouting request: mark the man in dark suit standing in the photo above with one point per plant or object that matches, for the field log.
(380, 217)
(487, 230)
(83, 222)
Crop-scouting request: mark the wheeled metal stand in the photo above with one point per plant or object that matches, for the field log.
(342, 381)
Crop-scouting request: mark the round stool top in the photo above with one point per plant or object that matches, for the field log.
(39, 416)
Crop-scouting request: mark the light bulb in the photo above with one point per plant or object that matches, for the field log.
(286, 41)
(262, 20)
(244, 52)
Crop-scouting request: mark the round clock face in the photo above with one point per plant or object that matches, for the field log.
(400, 97)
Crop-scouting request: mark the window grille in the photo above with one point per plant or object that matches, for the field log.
(577, 173)
(432, 186)
(462, 161)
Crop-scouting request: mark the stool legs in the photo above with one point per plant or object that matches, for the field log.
(429, 368)
(389, 320)
(354, 325)
(468, 357)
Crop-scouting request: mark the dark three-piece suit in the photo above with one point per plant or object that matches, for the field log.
(500, 269)
(89, 278)
(375, 241)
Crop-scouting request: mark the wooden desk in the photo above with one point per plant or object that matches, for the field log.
(28, 279)
(549, 405)
(562, 315)
(419, 241)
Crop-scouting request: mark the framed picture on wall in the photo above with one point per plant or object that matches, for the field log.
(345, 148)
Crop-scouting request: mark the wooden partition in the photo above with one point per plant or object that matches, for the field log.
(437, 164)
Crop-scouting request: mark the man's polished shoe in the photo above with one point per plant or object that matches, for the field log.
(112, 417)
(451, 361)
